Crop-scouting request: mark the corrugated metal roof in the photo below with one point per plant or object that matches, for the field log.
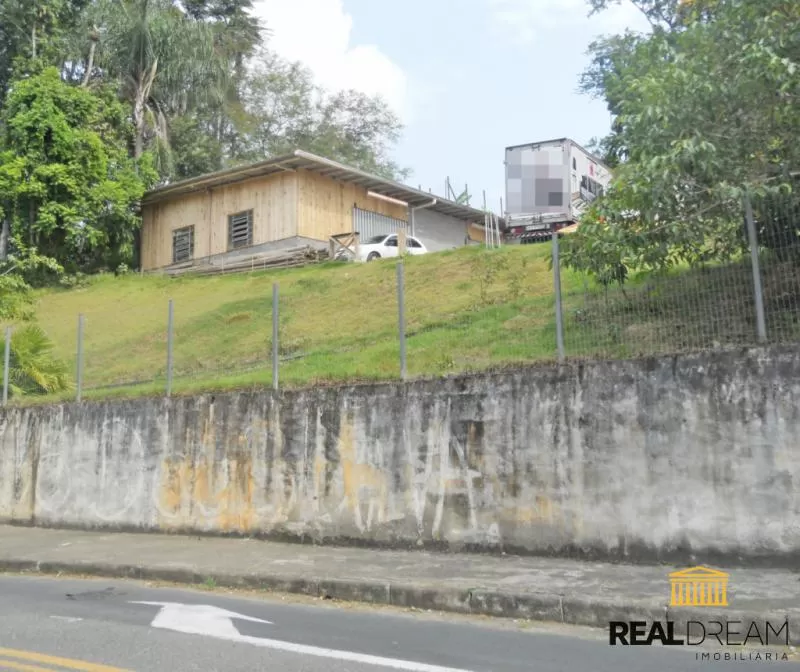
(300, 160)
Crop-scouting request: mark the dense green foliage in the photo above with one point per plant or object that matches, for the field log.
(67, 182)
(706, 107)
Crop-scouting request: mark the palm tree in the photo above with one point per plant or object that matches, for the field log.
(33, 368)
(163, 58)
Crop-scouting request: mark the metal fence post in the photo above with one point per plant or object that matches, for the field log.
(79, 362)
(761, 323)
(275, 336)
(170, 330)
(401, 318)
(557, 288)
(7, 362)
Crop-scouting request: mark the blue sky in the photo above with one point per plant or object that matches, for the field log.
(467, 77)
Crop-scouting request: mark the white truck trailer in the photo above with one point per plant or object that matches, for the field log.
(548, 185)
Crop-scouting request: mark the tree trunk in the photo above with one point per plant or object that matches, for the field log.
(138, 125)
(138, 145)
(144, 84)
(31, 221)
(4, 236)
(89, 64)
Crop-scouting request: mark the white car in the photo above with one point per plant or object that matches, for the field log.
(386, 245)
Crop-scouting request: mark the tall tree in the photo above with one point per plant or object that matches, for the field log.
(289, 111)
(705, 107)
(667, 15)
(66, 181)
(163, 60)
(35, 34)
(220, 120)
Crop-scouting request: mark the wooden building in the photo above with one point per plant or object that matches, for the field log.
(287, 201)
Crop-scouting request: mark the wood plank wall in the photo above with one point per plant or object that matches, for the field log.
(273, 200)
(326, 206)
(284, 205)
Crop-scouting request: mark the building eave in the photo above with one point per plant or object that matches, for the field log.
(300, 160)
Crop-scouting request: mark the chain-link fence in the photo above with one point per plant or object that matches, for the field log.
(777, 225)
(219, 338)
(452, 312)
(751, 298)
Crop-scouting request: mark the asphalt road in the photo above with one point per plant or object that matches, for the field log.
(103, 626)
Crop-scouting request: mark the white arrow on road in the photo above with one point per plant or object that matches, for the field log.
(199, 619)
(210, 621)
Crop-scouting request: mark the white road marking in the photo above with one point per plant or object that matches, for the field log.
(210, 621)
(198, 619)
(68, 619)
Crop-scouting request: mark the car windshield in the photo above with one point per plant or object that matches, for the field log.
(377, 239)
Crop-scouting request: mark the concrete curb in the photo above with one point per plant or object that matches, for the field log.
(554, 608)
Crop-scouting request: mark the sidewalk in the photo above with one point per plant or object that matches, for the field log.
(544, 589)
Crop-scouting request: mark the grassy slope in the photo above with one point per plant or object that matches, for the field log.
(467, 309)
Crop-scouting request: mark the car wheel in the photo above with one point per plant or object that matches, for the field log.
(373, 256)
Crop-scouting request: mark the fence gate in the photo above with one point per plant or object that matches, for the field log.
(369, 224)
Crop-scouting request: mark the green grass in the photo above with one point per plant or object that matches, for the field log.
(466, 310)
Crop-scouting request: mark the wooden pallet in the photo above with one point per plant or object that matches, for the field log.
(289, 258)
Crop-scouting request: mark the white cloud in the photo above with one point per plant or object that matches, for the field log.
(525, 20)
(318, 33)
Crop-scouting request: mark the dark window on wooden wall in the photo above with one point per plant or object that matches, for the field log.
(240, 230)
(182, 244)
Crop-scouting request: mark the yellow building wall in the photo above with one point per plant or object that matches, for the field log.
(325, 206)
(273, 200)
(284, 205)
(159, 220)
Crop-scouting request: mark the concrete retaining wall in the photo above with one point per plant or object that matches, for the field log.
(689, 457)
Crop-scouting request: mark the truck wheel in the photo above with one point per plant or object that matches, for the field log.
(373, 256)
